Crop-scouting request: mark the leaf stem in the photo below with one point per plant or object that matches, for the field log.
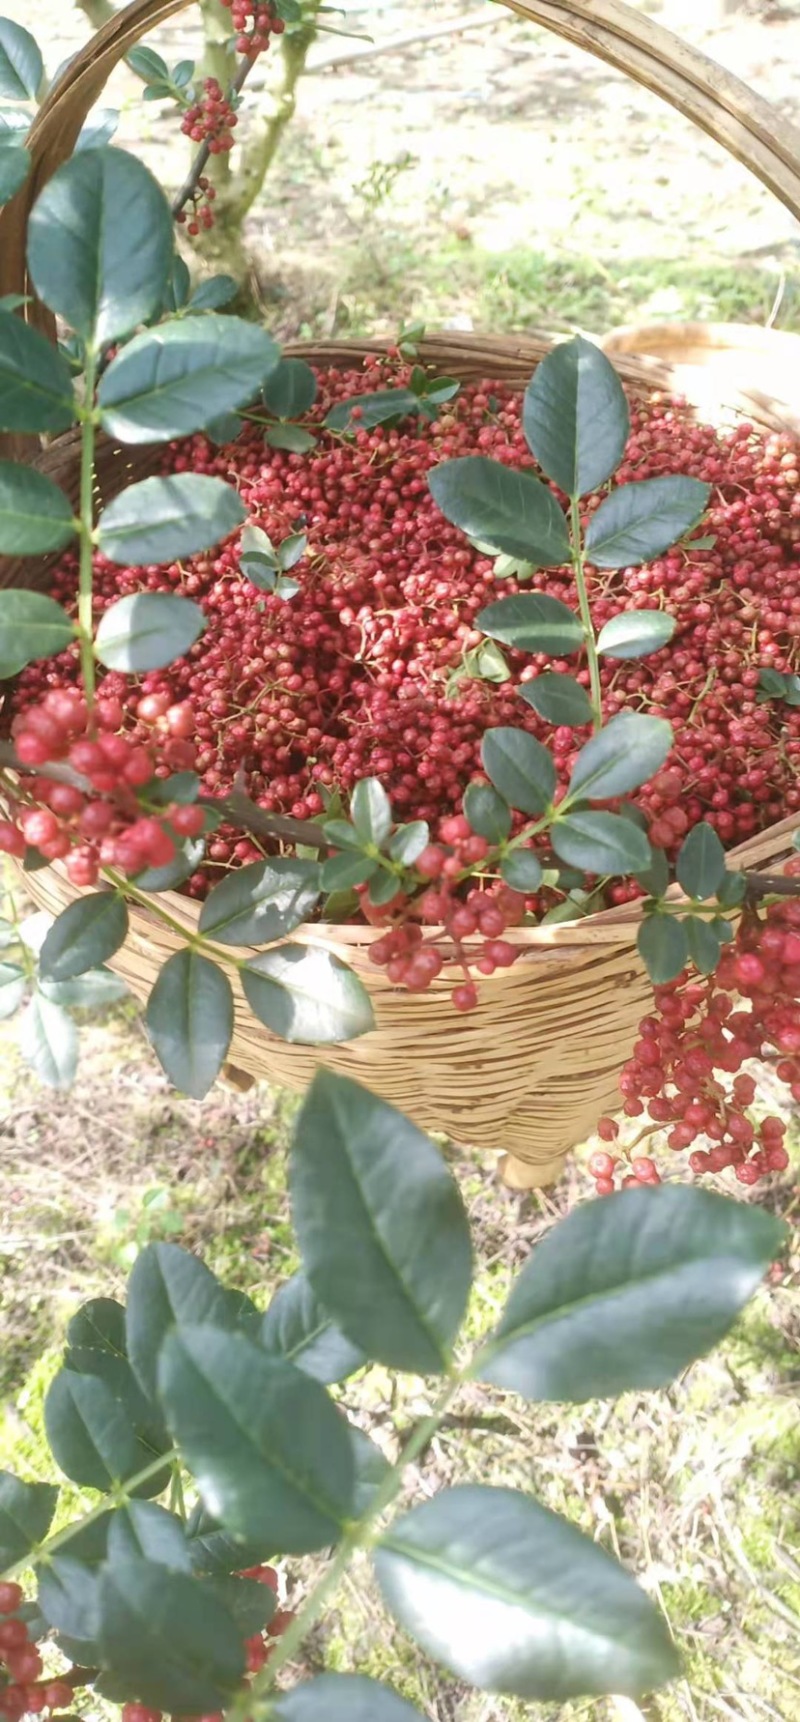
(250, 1703)
(85, 629)
(578, 566)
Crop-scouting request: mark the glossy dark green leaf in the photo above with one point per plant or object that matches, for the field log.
(303, 993)
(511, 511)
(31, 626)
(533, 622)
(642, 520)
(371, 811)
(575, 417)
(522, 870)
(342, 872)
(26, 1511)
(663, 946)
(144, 1418)
(100, 244)
(214, 1551)
(600, 843)
(487, 812)
(656, 876)
(733, 888)
(145, 1530)
(168, 1636)
(175, 379)
(15, 165)
(704, 942)
(372, 409)
(21, 65)
(635, 633)
(212, 294)
(35, 515)
(13, 987)
(559, 699)
(516, 1600)
(342, 1698)
(627, 1293)
(98, 130)
(371, 1468)
(261, 902)
(294, 438)
(167, 878)
(291, 389)
(49, 1042)
(85, 934)
(190, 1021)
(521, 769)
(700, 866)
(250, 1604)
(342, 835)
(147, 64)
(35, 384)
(268, 1449)
(368, 1187)
(100, 1323)
(291, 550)
(161, 519)
(90, 1432)
(298, 1327)
(68, 1597)
(168, 1287)
(226, 428)
(409, 841)
(147, 631)
(622, 756)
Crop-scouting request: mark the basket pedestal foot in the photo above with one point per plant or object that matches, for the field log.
(530, 1175)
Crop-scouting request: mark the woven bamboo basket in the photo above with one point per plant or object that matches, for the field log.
(722, 367)
(533, 1067)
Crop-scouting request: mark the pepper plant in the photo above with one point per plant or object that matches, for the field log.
(207, 1441)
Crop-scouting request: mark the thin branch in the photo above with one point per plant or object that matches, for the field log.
(189, 186)
(771, 885)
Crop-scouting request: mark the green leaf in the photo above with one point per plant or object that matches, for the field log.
(14, 122)
(655, 877)
(491, 665)
(342, 872)
(21, 64)
(190, 1021)
(559, 699)
(161, 519)
(100, 244)
(214, 1551)
(147, 631)
(600, 843)
(533, 622)
(635, 633)
(100, 1323)
(509, 510)
(382, 887)
(642, 520)
(293, 438)
(663, 946)
(626, 1294)
(35, 384)
(516, 1600)
(86, 933)
(166, 1635)
(269, 1451)
(733, 888)
(704, 943)
(167, 878)
(212, 294)
(227, 427)
(98, 130)
(15, 165)
(13, 987)
(575, 417)
(68, 1597)
(368, 1187)
(144, 1418)
(342, 1698)
(341, 835)
(147, 64)
(173, 380)
(372, 1469)
(261, 902)
(250, 1604)
(487, 812)
(143, 1529)
(49, 1042)
(522, 870)
(371, 811)
(409, 841)
(373, 409)
(303, 993)
(292, 550)
(772, 685)
(291, 390)
(35, 515)
(520, 768)
(31, 626)
(700, 866)
(90, 1432)
(168, 1287)
(297, 1326)
(622, 756)
(26, 1510)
